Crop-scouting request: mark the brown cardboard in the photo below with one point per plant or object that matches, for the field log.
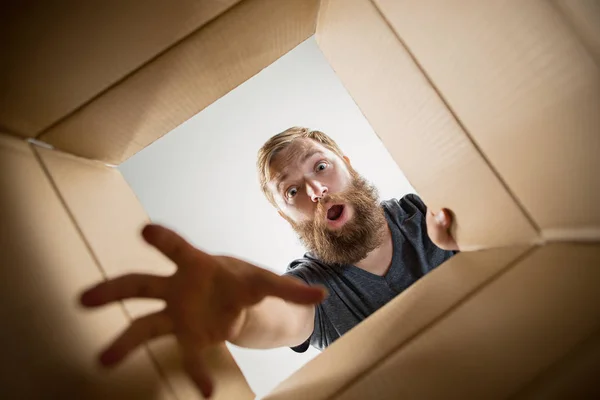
(523, 85)
(398, 323)
(575, 376)
(58, 56)
(184, 80)
(414, 123)
(50, 344)
(490, 108)
(583, 16)
(498, 340)
(111, 218)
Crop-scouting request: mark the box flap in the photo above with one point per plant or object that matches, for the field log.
(575, 377)
(185, 79)
(527, 91)
(110, 218)
(518, 327)
(420, 132)
(57, 57)
(50, 344)
(397, 324)
(583, 16)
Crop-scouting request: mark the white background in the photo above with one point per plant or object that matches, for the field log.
(201, 180)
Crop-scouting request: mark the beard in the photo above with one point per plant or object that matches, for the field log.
(360, 235)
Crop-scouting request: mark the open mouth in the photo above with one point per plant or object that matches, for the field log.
(335, 212)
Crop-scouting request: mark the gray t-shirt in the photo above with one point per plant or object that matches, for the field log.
(354, 293)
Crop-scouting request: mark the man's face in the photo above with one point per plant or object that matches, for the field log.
(335, 212)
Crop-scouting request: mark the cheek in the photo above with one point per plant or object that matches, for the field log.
(339, 180)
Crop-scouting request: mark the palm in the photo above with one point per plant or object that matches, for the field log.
(204, 300)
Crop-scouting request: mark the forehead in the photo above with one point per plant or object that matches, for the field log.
(290, 160)
(293, 156)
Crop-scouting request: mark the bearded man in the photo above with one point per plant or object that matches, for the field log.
(361, 254)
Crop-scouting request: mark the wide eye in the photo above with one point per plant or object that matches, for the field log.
(291, 192)
(321, 166)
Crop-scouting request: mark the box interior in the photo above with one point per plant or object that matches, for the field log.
(498, 100)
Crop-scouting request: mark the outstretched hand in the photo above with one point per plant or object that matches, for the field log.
(438, 228)
(205, 301)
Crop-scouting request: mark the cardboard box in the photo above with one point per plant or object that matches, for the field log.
(490, 108)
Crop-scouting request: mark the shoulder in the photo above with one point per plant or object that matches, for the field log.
(405, 208)
(307, 268)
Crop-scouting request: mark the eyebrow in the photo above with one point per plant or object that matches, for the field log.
(279, 179)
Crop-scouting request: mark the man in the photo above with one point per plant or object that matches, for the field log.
(362, 253)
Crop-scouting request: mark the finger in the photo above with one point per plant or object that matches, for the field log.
(438, 229)
(444, 218)
(176, 248)
(126, 287)
(292, 289)
(194, 366)
(140, 331)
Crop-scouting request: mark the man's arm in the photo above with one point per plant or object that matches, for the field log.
(209, 299)
(273, 322)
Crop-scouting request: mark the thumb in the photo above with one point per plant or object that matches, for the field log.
(438, 228)
(293, 289)
(443, 219)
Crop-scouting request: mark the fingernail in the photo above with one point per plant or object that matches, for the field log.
(84, 299)
(89, 298)
(154, 234)
(321, 288)
(441, 218)
(147, 231)
(108, 357)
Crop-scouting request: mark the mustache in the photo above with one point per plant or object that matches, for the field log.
(357, 237)
(329, 200)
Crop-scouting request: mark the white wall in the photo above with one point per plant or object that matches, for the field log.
(200, 179)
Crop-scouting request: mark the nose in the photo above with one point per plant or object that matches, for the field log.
(316, 190)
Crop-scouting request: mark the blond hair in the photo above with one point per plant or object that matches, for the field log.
(277, 143)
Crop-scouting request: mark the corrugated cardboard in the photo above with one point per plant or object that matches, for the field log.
(187, 78)
(574, 377)
(412, 120)
(398, 324)
(495, 323)
(490, 108)
(49, 344)
(57, 56)
(111, 218)
(523, 84)
(583, 16)
(502, 337)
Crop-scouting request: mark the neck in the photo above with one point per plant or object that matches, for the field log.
(378, 261)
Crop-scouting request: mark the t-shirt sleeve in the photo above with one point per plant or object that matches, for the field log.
(304, 273)
(412, 202)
